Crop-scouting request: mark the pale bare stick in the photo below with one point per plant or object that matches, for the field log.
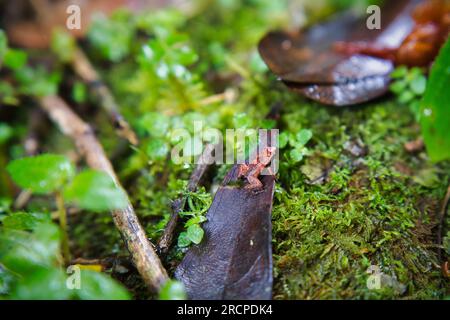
(143, 255)
(86, 71)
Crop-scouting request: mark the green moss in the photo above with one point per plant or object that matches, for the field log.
(364, 213)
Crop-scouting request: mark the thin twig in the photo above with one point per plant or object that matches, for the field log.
(204, 162)
(87, 72)
(143, 255)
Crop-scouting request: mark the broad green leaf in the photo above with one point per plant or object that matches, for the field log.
(42, 284)
(435, 111)
(303, 136)
(98, 286)
(95, 191)
(172, 290)
(195, 233)
(41, 174)
(25, 220)
(22, 251)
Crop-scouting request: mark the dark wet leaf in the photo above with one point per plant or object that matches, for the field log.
(239, 221)
(308, 64)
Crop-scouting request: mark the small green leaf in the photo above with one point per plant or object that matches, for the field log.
(79, 92)
(406, 96)
(95, 191)
(198, 219)
(418, 85)
(98, 286)
(399, 72)
(6, 132)
(111, 37)
(398, 86)
(15, 59)
(303, 136)
(157, 149)
(41, 174)
(195, 233)
(283, 140)
(242, 120)
(296, 155)
(172, 290)
(183, 240)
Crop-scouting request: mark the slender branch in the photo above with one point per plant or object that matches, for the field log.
(63, 225)
(143, 255)
(87, 72)
(204, 162)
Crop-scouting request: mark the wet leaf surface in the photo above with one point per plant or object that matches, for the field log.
(308, 64)
(234, 260)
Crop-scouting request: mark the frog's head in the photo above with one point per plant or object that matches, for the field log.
(267, 155)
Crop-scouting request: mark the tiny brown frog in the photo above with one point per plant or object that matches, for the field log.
(251, 171)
